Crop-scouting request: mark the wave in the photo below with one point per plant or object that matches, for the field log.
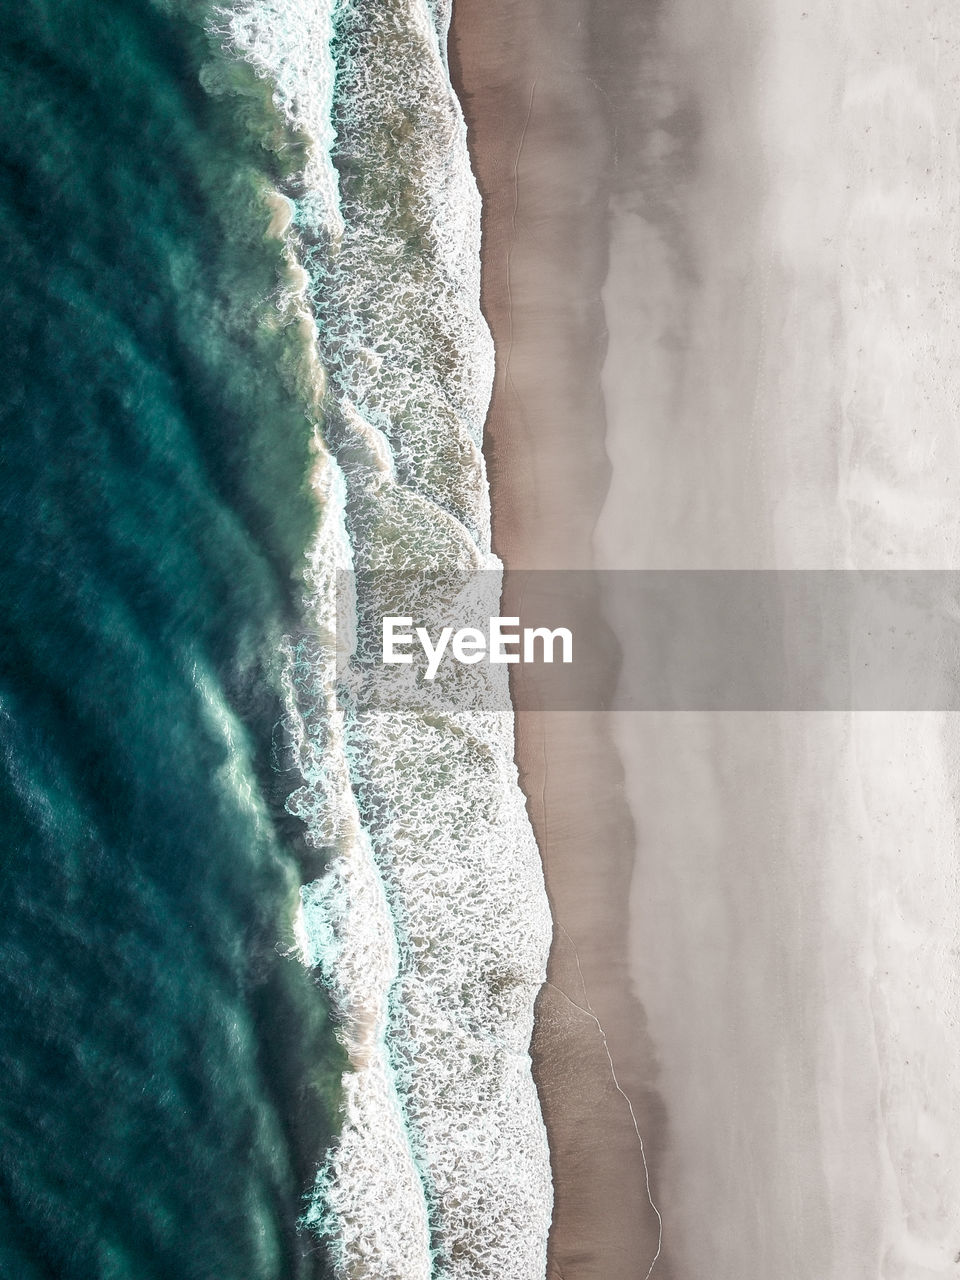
(430, 925)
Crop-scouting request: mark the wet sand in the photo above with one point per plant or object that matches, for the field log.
(719, 265)
(542, 151)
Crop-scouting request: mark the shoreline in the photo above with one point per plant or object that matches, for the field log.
(542, 154)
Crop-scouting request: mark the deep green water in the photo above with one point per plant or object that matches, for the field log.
(168, 1079)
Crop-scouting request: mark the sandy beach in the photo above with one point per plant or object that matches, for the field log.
(719, 265)
(780, 390)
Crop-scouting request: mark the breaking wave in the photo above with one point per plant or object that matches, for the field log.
(430, 924)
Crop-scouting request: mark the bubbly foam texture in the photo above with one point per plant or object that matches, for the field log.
(287, 42)
(430, 925)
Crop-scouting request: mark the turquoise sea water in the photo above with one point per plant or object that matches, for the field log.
(169, 1077)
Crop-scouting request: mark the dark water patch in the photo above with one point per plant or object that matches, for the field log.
(171, 1076)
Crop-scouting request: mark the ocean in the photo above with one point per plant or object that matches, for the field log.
(269, 956)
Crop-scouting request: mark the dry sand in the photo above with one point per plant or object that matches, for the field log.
(758, 204)
(781, 390)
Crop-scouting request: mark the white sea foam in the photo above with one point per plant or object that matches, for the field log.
(287, 42)
(430, 925)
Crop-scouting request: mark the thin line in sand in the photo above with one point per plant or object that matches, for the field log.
(589, 1013)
